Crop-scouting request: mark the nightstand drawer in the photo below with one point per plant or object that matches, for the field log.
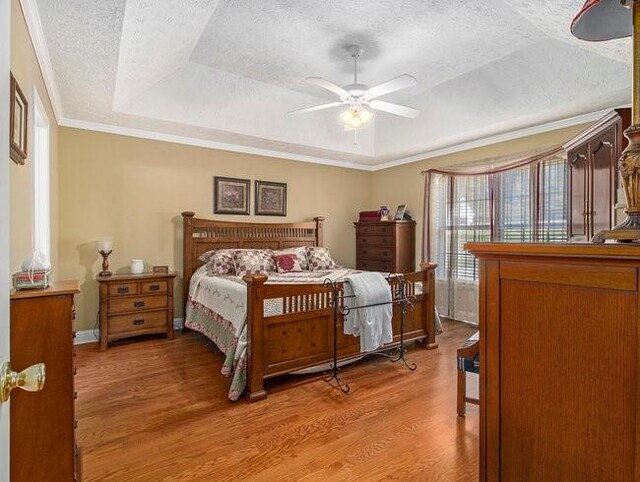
(372, 252)
(123, 289)
(150, 287)
(153, 320)
(139, 303)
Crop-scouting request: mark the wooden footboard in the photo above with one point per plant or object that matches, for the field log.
(301, 334)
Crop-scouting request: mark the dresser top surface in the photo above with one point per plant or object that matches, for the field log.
(575, 250)
(55, 288)
(135, 277)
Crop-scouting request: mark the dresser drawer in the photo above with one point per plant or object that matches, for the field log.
(375, 252)
(152, 320)
(123, 289)
(139, 303)
(365, 228)
(375, 265)
(384, 228)
(375, 241)
(150, 287)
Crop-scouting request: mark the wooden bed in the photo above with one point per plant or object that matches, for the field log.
(302, 336)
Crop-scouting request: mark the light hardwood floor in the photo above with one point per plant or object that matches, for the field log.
(158, 409)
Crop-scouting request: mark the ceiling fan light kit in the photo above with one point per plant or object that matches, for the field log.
(360, 99)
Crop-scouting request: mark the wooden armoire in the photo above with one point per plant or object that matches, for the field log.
(593, 178)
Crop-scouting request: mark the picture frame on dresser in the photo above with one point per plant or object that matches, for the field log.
(231, 195)
(399, 216)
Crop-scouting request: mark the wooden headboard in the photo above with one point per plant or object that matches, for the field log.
(202, 235)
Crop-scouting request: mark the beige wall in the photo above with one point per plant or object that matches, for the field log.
(134, 190)
(26, 70)
(405, 184)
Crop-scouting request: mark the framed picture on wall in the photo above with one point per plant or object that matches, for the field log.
(271, 198)
(18, 113)
(231, 196)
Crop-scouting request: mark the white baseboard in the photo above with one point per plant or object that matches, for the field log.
(91, 336)
(86, 336)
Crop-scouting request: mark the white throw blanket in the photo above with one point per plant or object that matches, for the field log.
(373, 324)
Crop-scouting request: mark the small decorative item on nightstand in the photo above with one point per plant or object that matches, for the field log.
(137, 266)
(135, 304)
(105, 247)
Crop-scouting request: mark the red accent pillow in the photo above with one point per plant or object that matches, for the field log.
(287, 263)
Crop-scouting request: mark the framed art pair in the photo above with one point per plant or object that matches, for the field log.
(233, 196)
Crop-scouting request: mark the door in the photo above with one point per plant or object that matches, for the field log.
(5, 37)
(603, 180)
(578, 162)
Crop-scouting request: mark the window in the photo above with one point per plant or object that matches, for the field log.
(41, 179)
(524, 204)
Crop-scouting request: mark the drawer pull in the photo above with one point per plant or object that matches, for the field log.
(123, 289)
(138, 304)
(138, 321)
(154, 287)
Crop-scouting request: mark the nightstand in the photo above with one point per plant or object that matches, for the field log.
(135, 304)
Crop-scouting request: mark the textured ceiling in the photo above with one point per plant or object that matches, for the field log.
(227, 71)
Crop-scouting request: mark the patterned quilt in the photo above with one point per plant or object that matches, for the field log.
(217, 309)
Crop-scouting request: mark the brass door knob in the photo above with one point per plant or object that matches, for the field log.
(31, 379)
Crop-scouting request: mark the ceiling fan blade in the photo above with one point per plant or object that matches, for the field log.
(396, 109)
(325, 84)
(314, 108)
(401, 82)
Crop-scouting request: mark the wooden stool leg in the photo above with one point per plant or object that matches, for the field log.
(462, 393)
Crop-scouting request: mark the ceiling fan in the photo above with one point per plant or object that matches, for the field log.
(361, 99)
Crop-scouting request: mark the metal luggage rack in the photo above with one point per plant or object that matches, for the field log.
(340, 310)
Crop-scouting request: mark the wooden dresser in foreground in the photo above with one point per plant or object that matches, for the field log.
(135, 304)
(559, 362)
(43, 426)
(387, 246)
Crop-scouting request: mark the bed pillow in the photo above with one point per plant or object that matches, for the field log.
(300, 252)
(319, 259)
(253, 261)
(205, 257)
(219, 262)
(287, 263)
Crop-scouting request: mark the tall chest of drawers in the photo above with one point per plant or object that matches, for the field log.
(387, 246)
(135, 304)
(43, 425)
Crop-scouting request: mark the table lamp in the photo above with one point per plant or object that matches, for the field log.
(606, 20)
(105, 246)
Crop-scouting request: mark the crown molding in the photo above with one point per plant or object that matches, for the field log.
(487, 141)
(190, 141)
(483, 142)
(34, 26)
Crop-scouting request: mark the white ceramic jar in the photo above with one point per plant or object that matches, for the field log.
(137, 266)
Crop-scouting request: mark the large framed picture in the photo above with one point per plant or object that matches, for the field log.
(231, 196)
(18, 113)
(271, 198)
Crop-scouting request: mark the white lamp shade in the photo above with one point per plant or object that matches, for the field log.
(105, 245)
